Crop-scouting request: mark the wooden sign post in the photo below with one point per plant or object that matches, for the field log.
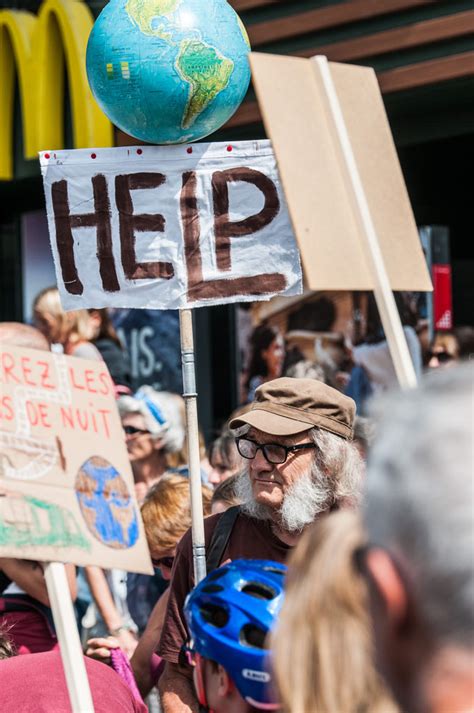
(192, 433)
(68, 637)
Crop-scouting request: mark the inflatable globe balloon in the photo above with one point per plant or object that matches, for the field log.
(168, 71)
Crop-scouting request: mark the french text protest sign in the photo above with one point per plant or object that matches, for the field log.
(65, 481)
(169, 227)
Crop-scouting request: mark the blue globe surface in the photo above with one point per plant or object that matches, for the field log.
(168, 71)
(105, 504)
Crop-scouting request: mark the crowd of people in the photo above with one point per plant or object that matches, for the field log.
(339, 547)
(358, 362)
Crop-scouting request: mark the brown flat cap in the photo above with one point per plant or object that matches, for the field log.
(286, 406)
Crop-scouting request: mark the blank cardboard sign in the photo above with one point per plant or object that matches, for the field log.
(298, 120)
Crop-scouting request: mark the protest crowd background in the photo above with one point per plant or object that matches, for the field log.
(338, 507)
(325, 635)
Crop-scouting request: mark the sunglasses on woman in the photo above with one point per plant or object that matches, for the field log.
(442, 357)
(132, 431)
(163, 562)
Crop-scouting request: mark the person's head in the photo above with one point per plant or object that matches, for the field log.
(152, 423)
(166, 514)
(465, 336)
(297, 440)
(419, 515)
(22, 335)
(102, 326)
(229, 615)
(305, 369)
(267, 352)
(322, 643)
(224, 496)
(444, 351)
(7, 649)
(325, 356)
(224, 458)
(58, 326)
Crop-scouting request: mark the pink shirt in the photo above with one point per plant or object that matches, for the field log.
(35, 683)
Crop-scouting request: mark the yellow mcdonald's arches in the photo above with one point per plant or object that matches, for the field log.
(35, 48)
(16, 32)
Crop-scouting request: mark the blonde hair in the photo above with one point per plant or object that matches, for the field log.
(322, 644)
(166, 511)
(73, 327)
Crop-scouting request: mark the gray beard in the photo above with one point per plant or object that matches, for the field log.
(311, 494)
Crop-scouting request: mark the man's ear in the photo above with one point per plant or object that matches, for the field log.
(225, 684)
(389, 584)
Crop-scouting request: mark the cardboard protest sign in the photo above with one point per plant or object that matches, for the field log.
(300, 121)
(66, 485)
(169, 227)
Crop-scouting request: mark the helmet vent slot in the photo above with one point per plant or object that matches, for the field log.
(275, 570)
(215, 615)
(251, 635)
(259, 591)
(212, 588)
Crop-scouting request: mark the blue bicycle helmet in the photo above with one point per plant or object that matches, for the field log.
(229, 615)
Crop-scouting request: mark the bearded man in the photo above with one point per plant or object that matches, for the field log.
(296, 439)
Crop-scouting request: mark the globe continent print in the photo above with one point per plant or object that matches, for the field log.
(168, 71)
(106, 504)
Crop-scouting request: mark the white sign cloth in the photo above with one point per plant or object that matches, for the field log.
(166, 227)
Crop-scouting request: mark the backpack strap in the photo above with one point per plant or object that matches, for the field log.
(220, 537)
(4, 581)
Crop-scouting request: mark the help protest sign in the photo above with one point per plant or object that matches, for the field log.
(169, 227)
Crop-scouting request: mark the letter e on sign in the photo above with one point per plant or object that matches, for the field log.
(130, 223)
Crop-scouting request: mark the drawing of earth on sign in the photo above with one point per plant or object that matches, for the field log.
(106, 504)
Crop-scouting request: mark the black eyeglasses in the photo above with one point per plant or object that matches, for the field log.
(442, 357)
(132, 431)
(274, 453)
(163, 562)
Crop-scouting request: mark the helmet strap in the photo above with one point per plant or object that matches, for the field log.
(200, 685)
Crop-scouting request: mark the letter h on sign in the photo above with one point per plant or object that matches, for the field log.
(101, 220)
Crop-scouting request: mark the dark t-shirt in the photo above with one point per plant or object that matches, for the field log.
(250, 539)
(35, 683)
